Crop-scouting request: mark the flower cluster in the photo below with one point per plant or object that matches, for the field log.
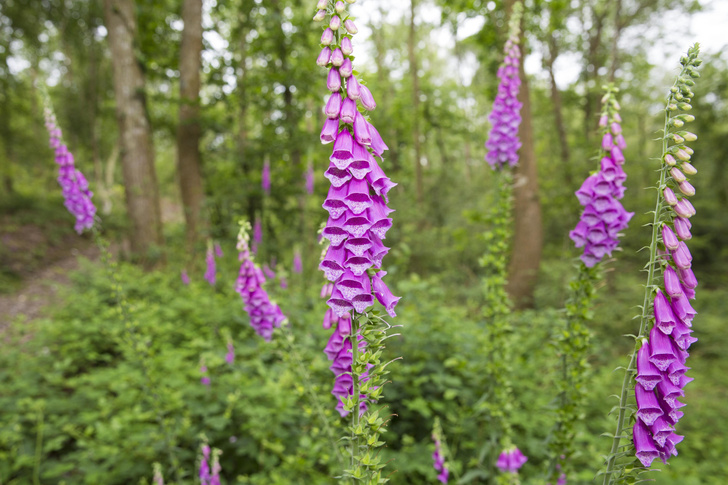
(357, 206)
(503, 143)
(661, 359)
(439, 461)
(210, 268)
(210, 475)
(74, 185)
(604, 216)
(264, 314)
(511, 460)
(357, 200)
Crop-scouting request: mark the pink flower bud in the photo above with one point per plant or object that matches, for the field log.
(353, 90)
(337, 57)
(346, 68)
(677, 175)
(333, 106)
(686, 188)
(350, 27)
(333, 83)
(367, 100)
(335, 22)
(320, 15)
(327, 37)
(339, 7)
(669, 195)
(670, 160)
(324, 57)
(322, 4)
(688, 168)
(346, 46)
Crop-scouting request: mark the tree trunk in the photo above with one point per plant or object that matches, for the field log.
(558, 111)
(411, 47)
(137, 154)
(189, 130)
(527, 231)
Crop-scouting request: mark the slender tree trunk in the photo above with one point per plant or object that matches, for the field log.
(527, 231)
(615, 40)
(558, 111)
(411, 47)
(189, 130)
(137, 154)
(385, 87)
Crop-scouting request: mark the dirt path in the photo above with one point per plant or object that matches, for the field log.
(40, 286)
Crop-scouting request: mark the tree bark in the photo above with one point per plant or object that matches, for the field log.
(527, 231)
(189, 129)
(411, 47)
(137, 154)
(558, 110)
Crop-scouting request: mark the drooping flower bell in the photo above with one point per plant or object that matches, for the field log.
(604, 216)
(76, 193)
(505, 118)
(265, 315)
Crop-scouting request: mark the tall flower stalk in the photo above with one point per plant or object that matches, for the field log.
(76, 193)
(655, 376)
(502, 145)
(265, 315)
(597, 232)
(357, 203)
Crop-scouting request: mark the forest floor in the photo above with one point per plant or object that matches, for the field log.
(35, 266)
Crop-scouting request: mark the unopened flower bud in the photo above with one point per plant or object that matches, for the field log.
(688, 150)
(687, 118)
(324, 57)
(346, 46)
(688, 136)
(333, 106)
(322, 4)
(350, 26)
(669, 196)
(339, 7)
(367, 100)
(673, 89)
(677, 175)
(617, 118)
(346, 68)
(350, 1)
(327, 37)
(337, 57)
(669, 239)
(353, 91)
(684, 208)
(335, 22)
(686, 188)
(682, 155)
(672, 107)
(320, 15)
(616, 129)
(603, 121)
(677, 123)
(684, 106)
(688, 168)
(333, 83)
(670, 160)
(674, 137)
(679, 96)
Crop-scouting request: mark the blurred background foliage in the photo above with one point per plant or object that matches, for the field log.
(78, 407)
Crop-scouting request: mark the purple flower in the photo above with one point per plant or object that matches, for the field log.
(603, 216)
(74, 186)
(230, 355)
(297, 263)
(204, 465)
(439, 462)
(511, 460)
(503, 142)
(265, 177)
(218, 251)
(264, 314)
(358, 212)
(257, 235)
(185, 278)
(210, 272)
(309, 179)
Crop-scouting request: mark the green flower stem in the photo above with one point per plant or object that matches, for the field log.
(355, 458)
